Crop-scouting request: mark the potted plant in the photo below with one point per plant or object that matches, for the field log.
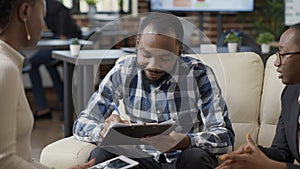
(264, 39)
(92, 12)
(232, 39)
(75, 47)
(91, 2)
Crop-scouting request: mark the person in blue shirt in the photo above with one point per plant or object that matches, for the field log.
(159, 85)
(59, 20)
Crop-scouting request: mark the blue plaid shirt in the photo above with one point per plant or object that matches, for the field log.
(189, 95)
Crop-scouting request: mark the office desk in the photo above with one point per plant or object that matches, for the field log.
(81, 68)
(54, 44)
(47, 34)
(220, 49)
(196, 50)
(60, 43)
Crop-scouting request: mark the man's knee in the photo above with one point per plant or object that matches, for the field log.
(196, 158)
(101, 155)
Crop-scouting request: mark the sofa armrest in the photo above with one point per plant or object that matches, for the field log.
(66, 152)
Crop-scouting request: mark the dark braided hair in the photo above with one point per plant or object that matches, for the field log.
(7, 8)
(164, 24)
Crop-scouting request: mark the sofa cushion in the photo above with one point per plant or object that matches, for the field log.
(270, 103)
(65, 153)
(240, 76)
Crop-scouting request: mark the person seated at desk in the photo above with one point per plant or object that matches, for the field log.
(159, 85)
(60, 22)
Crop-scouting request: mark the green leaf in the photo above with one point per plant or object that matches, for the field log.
(91, 2)
(75, 41)
(232, 37)
(265, 37)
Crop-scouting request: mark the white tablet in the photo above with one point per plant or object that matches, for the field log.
(120, 162)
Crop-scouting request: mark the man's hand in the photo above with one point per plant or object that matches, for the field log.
(245, 148)
(248, 156)
(166, 143)
(63, 37)
(112, 118)
(85, 165)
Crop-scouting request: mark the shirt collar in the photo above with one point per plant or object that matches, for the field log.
(11, 53)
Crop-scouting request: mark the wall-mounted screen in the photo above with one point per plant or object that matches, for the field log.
(292, 12)
(202, 5)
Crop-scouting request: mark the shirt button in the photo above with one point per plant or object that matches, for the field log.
(157, 111)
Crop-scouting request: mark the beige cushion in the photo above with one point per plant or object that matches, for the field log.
(240, 76)
(270, 103)
(65, 153)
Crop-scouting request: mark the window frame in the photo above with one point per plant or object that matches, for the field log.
(75, 9)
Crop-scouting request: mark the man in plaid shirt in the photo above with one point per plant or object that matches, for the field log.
(157, 85)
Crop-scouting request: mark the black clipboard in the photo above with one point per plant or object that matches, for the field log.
(130, 134)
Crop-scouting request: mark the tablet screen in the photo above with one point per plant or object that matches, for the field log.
(117, 163)
(120, 162)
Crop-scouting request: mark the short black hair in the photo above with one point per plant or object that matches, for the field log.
(296, 27)
(164, 24)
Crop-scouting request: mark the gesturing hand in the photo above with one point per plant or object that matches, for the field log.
(85, 165)
(248, 156)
